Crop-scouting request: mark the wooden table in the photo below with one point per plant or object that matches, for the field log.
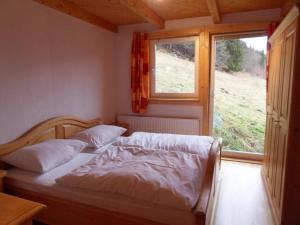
(17, 211)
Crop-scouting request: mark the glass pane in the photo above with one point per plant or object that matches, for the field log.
(175, 67)
(240, 93)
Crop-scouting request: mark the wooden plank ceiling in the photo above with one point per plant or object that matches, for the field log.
(110, 14)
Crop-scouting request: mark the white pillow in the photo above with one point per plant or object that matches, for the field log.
(100, 135)
(45, 156)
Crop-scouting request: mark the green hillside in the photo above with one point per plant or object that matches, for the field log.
(239, 105)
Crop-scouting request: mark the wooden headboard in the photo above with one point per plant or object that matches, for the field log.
(55, 128)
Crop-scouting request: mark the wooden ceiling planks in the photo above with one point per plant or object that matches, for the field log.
(75, 11)
(233, 6)
(109, 14)
(179, 9)
(141, 8)
(214, 10)
(110, 10)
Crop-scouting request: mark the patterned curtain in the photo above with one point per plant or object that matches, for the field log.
(140, 72)
(271, 29)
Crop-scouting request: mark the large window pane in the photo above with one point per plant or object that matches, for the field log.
(175, 68)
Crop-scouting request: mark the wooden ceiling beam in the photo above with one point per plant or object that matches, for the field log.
(142, 9)
(75, 11)
(214, 10)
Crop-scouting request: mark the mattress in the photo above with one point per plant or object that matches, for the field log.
(45, 184)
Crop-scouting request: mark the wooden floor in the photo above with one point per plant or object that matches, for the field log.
(242, 198)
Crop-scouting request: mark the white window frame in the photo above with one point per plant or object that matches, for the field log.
(173, 96)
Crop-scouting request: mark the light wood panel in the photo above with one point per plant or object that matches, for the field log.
(214, 10)
(142, 9)
(212, 29)
(75, 11)
(204, 81)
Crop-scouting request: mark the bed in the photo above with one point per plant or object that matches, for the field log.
(67, 206)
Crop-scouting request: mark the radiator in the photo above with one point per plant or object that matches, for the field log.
(161, 124)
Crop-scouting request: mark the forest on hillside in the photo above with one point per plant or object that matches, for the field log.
(236, 56)
(231, 56)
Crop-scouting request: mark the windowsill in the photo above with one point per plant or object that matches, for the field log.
(191, 101)
(246, 156)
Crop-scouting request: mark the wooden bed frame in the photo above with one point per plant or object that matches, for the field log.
(64, 212)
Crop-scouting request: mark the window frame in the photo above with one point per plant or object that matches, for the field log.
(155, 97)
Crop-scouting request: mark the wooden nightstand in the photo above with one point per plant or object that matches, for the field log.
(17, 211)
(14, 210)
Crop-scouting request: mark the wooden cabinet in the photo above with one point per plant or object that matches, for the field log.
(282, 150)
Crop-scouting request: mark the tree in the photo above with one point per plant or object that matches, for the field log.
(263, 59)
(221, 56)
(236, 49)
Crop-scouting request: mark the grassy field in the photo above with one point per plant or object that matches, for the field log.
(165, 70)
(240, 111)
(239, 101)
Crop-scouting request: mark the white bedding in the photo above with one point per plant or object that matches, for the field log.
(45, 184)
(171, 142)
(167, 178)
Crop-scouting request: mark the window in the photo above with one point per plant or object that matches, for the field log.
(174, 68)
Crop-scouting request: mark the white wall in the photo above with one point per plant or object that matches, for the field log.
(123, 60)
(52, 64)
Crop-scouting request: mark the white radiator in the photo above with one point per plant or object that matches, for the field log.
(161, 124)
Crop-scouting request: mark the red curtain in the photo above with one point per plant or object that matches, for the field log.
(140, 72)
(271, 29)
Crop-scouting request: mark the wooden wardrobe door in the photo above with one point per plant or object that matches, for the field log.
(286, 90)
(285, 81)
(271, 85)
(282, 131)
(273, 100)
(267, 147)
(273, 154)
(280, 165)
(275, 64)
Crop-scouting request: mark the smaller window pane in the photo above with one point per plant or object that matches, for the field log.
(175, 70)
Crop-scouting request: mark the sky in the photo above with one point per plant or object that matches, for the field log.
(258, 43)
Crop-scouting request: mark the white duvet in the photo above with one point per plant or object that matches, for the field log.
(171, 142)
(166, 178)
